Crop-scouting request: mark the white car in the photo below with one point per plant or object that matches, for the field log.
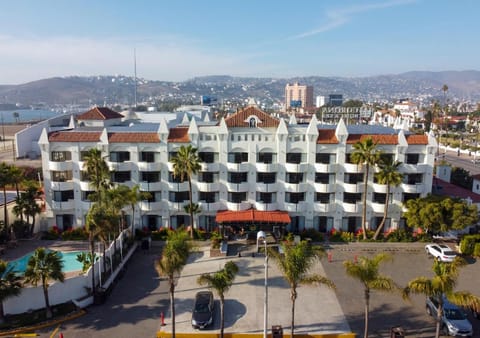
(441, 251)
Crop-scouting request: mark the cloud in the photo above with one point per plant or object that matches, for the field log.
(340, 17)
(171, 58)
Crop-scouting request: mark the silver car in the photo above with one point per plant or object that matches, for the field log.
(454, 320)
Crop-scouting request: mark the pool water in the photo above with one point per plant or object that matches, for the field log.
(69, 259)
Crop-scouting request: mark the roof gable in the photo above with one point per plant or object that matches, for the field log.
(327, 136)
(100, 113)
(417, 139)
(178, 135)
(240, 118)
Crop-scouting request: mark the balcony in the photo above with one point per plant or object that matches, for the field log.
(381, 188)
(64, 205)
(324, 187)
(266, 206)
(414, 168)
(352, 207)
(322, 207)
(266, 167)
(120, 166)
(238, 206)
(151, 206)
(266, 187)
(295, 207)
(353, 188)
(149, 166)
(237, 187)
(216, 206)
(296, 168)
(352, 168)
(85, 205)
(378, 207)
(60, 166)
(325, 168)
(417, 188)
(177, 206)
(62, 185)
(292, 187)
(177, 186)
(207, 187)
(85, 185)
(210, 166)
(238, 167)
(151, 186)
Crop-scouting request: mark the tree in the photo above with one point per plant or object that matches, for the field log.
(173, 260)
(97, 172)
(365, 153)
(221, 281)
(4, 181)
(133, 197)
(390, 176)
(10, 286)
(295, 264)
(366, 271)
(185, 164)
(42, 267)
(442, 284)
(26, 204)
(435, 214)
(16, 116)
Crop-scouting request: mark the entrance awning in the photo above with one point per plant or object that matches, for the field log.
(252, 216)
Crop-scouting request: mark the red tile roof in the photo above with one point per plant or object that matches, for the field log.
(99, 113)
(133, 138)
(179, 135)
(327, 136)
(417, 139)
(379, 139)
(448, 189)
(252, 215)
(239, 118)
(74, 136)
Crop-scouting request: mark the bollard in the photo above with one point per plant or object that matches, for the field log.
(355, 259)
(60, 335)
(162, 319)
(330, 256)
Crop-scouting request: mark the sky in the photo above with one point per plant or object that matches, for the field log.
(176, 40)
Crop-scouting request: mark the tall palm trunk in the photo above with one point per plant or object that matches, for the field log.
(133, 221)
(92, 251)
(364, 207)
(172, 303)
(47, 302)
(5, 211)
(293, 297)
(222, 315)
(191, 205)
(385, 213)
(2, 313)
(438, 319)
(367, 306)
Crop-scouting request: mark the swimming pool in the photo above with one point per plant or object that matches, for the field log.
(69, 259)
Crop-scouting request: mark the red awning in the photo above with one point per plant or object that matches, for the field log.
(253, 216)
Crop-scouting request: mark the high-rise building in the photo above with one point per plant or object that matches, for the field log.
(298, 96)
(335, 100)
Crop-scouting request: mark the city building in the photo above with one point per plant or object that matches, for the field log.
(299, 176)
(335, 100)
(321, 101)
(298, 96)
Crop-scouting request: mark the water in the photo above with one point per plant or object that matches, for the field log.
(70, 262)
(25, 116)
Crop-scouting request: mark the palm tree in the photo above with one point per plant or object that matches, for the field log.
(442, 284)
(221, 281)
(93, 225)
(366, 271)
(174, 258)
(43, 266)
(365, 153)
(4, 181)
(10, 286)
(133, 197)
(295, 264)
(192, 209)
(97, 172)
(185, 164)
(28, 205)
(390, 176)
(16, 116)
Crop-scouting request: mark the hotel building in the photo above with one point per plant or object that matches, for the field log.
(298, 96)
(249, 161)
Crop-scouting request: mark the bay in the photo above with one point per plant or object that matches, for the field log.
(26, 115)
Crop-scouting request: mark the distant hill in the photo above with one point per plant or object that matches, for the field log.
(417, 85)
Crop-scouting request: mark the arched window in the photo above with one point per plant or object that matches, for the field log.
(253, 122)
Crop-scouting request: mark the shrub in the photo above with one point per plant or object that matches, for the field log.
(476, 251)
(199, 234)
(313, 234)
(341, 236)
(468, 243)
(215, 240)
(159, 235)
(399, 235)
(75, 234)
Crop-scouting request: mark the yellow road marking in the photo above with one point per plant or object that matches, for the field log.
(55, 331)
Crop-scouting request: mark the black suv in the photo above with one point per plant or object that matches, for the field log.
(202, 313)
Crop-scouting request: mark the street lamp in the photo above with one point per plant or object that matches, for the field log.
(262, 236)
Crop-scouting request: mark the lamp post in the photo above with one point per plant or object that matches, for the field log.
(262, 236)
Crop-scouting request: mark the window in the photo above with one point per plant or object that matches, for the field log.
(379, 198)
(266, 197)
(267, 178)
(323, 197)
(348, 158)
(207, 157)
(207, 177)
(252, 122)
(294, 178)
(237, 157)
(85, 195)
(150, 176)
(409, 196)
(62, 196)
(61, 176)
(295, 158)
(61, 156)
(147, 156)
(322, 158)
(354, 178)
(413, 179)
(208, 196)
(412, 158)
(171, 155)
(178, 196)
(83, 155)
(237, 177)
(387, 158)
(323, 178)
(237, 197)
(121, 176)
(174, 179)
(352, 198)
(294, 197)
(119, 156)
(266, 158)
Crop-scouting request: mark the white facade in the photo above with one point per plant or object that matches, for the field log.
(250, 160)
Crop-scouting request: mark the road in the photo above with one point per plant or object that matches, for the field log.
(463, 161)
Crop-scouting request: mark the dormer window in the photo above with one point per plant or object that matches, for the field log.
(252, 122)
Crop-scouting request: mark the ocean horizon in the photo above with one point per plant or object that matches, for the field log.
(26, 115)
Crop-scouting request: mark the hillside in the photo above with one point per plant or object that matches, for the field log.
(420, 85)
